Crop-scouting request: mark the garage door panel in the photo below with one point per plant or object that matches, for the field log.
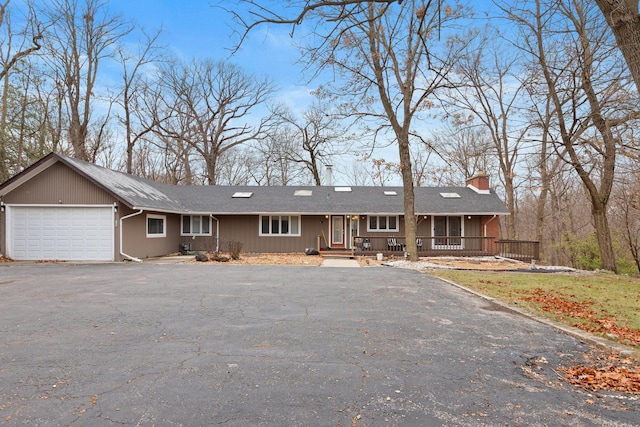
(62, 233)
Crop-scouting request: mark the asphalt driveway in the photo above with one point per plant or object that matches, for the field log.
(192, 345)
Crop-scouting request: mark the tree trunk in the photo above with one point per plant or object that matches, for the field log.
(410, 225)
(510, 220)
(603, 235)
(4, 111)
(211, 161)
(622, 16)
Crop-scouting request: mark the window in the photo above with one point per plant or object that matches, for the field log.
(242, 194)
(279, 225)
(450, 195)
(156, 225)
(196, 225)
(382, 223)
(447, 231)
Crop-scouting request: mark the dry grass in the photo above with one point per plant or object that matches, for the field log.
(274, 259)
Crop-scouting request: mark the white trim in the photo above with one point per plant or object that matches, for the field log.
(7, 231)
(164, 226)
(478, 191)
(22, 178)
(56, 205)
(217, 232)
(434, 241)
(289, 234)
(385, 230)
(9, 228)
(341, 243)
(191, 234)
(132, 258)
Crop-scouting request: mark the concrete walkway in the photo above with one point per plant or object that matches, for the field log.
(339, 262)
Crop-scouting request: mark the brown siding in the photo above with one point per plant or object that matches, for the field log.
(56, 185)
(424, 227)
(473, 228)
(135, 240)
(245, 229)
(59, 185)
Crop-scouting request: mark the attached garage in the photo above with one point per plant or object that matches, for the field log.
(66, 233)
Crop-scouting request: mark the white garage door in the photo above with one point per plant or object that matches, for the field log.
(60, 233)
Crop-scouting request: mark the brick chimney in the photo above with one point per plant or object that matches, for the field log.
(479, 182)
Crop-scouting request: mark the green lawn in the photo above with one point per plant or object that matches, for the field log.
(604, 304)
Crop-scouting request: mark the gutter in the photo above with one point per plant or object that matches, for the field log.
(217, 232)
(129, 257)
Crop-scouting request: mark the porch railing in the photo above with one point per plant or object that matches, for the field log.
(523, 250)
(427, 246)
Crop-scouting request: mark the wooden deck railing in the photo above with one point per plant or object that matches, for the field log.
(523, 250)
(427, 246)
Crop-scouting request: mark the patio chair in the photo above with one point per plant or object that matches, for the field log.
(392, 244)
(366, 244)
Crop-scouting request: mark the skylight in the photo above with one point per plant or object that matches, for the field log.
(450, 195)
(303, 193)
(342, 189)
(242, 195)
(390, 193)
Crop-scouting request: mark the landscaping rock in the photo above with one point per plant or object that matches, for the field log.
(202, 257)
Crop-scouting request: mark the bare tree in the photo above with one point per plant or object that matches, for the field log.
(627, 213)
(623, 19)
(465, 151)
(316, 138)
(589, 99)
(31, 37)
(234, 167)
(269, 159)
(212, 104)
(130, 97)
(393, 60)
(490, 95)
(80, 38)
(15, 47)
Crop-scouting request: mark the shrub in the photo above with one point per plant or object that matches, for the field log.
(234, 248)
(582, 251)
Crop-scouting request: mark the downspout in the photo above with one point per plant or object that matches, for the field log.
(129, 257)
(217, 232)
(485, 225)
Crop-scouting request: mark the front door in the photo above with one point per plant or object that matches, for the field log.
(354, 230)
(337, 231)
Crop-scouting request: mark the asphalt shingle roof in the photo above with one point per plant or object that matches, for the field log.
(145, 194)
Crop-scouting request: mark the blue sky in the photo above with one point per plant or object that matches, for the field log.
(196, 29)
(200, 29)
